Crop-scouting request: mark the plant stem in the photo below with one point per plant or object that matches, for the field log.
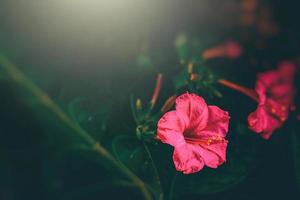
(168, 104)
(23, 81)
(246, 91)
(156, 90)
(161, 195)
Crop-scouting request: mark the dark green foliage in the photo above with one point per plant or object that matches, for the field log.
(99, 143)
(137, 157)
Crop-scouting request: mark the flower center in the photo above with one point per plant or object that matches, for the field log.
(278, 114)
(216, 139)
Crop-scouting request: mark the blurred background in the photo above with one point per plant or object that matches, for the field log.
(100, 53)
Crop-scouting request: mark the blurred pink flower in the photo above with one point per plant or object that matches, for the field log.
(229, 49)
(197, 133)
(275, 98)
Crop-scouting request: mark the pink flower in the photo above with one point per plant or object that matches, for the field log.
(229, 49)
(275, 98)
(197, 133)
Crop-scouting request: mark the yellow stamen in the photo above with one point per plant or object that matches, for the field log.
(190, 67)
(283, 108)
(209, 141)
(273, 110)
(138, 104)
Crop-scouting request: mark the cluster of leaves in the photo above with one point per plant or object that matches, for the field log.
(194, 76)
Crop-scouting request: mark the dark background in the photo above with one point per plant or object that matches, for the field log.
(90, 49)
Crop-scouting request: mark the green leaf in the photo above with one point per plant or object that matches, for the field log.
(92, 117)
(181, 79)
(137, 157)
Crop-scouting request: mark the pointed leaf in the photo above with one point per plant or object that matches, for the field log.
(137, 158)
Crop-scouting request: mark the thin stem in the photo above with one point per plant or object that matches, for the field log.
(214, 52)
(168, 104)
(246, 91)
(161, 195)
(156, 90)
(44, 99)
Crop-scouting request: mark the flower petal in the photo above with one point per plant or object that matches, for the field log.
(260, 121)
(276, 84)
(218, 149)
(277, 109)
(186, 159)
(276, 92)
(287, 69)
(193, 110)
(189, 127)
(170, 129)
(264, 81)
(213, 154)
(282, 92)
(217, 125)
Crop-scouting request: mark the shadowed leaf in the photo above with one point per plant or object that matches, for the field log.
(137, 157)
